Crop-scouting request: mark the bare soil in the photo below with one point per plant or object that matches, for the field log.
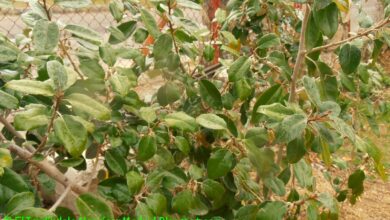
(373, 205)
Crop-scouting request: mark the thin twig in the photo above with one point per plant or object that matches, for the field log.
(362, 34)
(56, 106)
(64, 50)
(62, 197)
(300, 56)
(170, 25)
(47, 10)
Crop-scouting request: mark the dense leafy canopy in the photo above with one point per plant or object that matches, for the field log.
(228, 145)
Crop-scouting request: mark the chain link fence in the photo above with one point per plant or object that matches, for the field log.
(96, 17)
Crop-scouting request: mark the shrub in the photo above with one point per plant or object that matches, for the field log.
(240, 146)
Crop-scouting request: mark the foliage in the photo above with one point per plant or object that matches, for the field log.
(240, 146)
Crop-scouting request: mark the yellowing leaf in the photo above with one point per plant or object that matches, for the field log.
(343, 5)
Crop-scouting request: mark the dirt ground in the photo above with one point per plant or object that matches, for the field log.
(374, 204)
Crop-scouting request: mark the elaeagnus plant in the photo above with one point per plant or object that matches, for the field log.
(256, 107)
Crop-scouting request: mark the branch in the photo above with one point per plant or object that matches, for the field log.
(13, 131)
(300, 56)
(362, 34)
(173, 36)
(46, 167)
(10, 128)
(56, 106)
(62, 197)
(47, 10)
(63, 48)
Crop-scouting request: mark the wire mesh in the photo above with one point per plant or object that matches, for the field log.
(96, 17)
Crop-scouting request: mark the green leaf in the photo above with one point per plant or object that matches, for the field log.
(45, 36)
(84, 33)
(182, 144)
(116, 8)
(321, 4)
(343, 128)
(120, 84)
(189, 4)
(72, 162)
(272, 210)
(311, 89)
(258, 136)
(143, 210)
(115, 161)
(164, 159)
(181, 120)
(87, 125)
(248, 212)
(31, 87)
(355, 182)
(150, 23)
(268, 41)
(148, 114)
(5, 158)
(269, 96)
(262, 159)
(208, 53)
(196, 172)
(147, 147)
(19, 202)
(329, 202)
(92, 69)
(198, 207)
(157, 203)
(276, 185)
(73, 3)
(8, 54)
(275, 111)
(57, 73)
(168, 93)
(11, 180)
(90, 206)
(213, 189)
(349, 58)
(325, 152)
(210, 94)
(8, 101)
(327, 19)
(108, 54)
(374, 152)
(38, 8)
(162, 46)
(220, 163)
(242, 89)
(211, 121)
(33, 117)
(181, 203)
(72, 134)
(291, 127)
(135, 182)
(313, 36)
(35, 213)
(303, 173)
(329, 85)
(239, 69)
(126, 29)
(83, 104)
(296, 150)
(64, 213)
